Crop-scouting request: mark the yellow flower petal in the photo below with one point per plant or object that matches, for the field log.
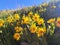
(1, 22)
(16, 17)
(16, 36)
(33, 28)
(52, 20)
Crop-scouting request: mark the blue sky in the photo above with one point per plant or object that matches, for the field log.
(13, 4)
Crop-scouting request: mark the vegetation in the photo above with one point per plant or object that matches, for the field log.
(27, 25)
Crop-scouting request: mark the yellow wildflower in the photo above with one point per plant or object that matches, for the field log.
(25, 20)
(16, 36)
(30, 19)
(30, 13)
(1, 22)
(18, 29)
(45, 4)
(10, 19)
(16, 17)
(54, 6)
(33, 28)
(41, 31)
(58, 22)
(40, 21)
(35, 17)
(52, 20)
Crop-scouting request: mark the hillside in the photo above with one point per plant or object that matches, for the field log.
(45, 11)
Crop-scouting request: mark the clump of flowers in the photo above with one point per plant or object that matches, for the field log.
(1, 22)
(22, 27)
(35, 24)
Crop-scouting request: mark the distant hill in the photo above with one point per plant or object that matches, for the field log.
(54, 12)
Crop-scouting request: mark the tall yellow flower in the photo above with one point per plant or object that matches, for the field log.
(41, 31)
(16, 17)
(1, 22)
(52, 20)
(45, 4)
(53, 6)
(10, 19)
(33, 28)
(58, 22)
(18, 29)
(35, 17)
(30, 13)
(40, 21)
(16, 36)
(25, 20)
